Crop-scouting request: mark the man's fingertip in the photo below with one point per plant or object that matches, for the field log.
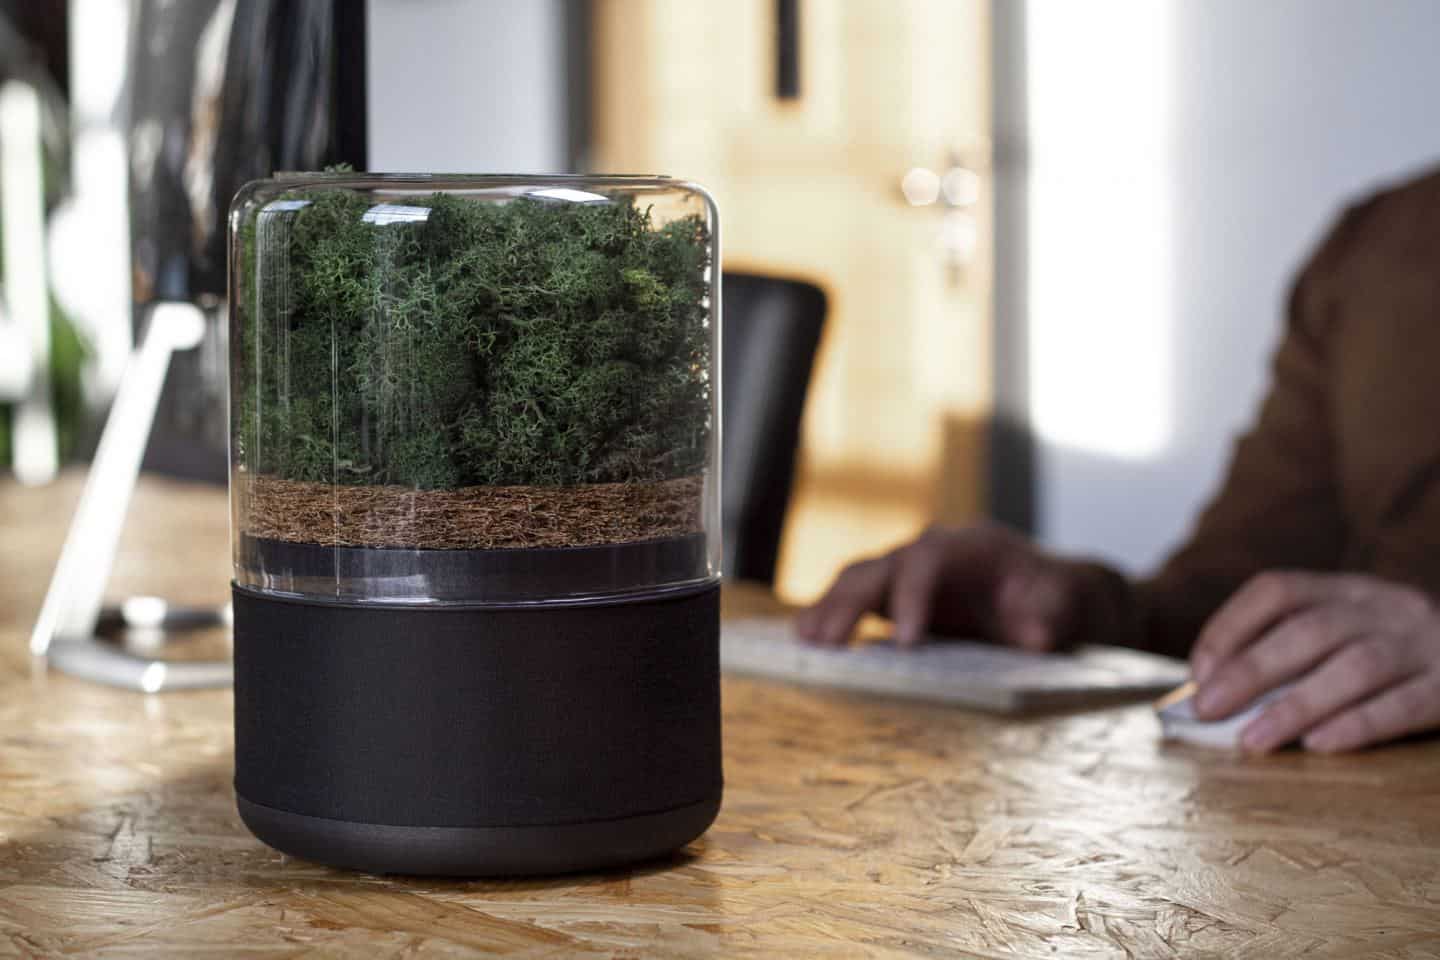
(835, 631)
(1033, 636)
(1324, 742)
(907, 636)
(1201, 666)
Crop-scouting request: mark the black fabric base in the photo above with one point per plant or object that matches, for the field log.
(479, 851)
(476, 719)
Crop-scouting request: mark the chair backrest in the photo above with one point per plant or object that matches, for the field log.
(770, 333)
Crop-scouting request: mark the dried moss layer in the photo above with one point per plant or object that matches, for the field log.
(474, 518)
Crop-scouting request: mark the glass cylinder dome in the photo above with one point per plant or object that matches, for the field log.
(474, 389)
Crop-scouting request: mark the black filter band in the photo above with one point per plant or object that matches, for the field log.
(460, 575)
(433, 716)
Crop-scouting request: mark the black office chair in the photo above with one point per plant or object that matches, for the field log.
(770, 333)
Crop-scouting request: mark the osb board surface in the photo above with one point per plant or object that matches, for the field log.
(851, 827)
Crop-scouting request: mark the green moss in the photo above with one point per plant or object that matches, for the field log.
(521, 343)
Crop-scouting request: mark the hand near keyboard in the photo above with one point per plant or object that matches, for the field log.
(975, 581)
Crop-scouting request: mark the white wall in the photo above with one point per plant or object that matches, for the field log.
(466, 86)
(1181, 158)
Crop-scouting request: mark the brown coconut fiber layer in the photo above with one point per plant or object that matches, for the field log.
(470, 518)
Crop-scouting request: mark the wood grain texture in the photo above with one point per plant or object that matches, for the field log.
(851, 827)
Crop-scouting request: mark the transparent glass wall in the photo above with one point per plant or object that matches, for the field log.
(474, 389)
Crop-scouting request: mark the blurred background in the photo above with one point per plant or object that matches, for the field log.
(1053, 239)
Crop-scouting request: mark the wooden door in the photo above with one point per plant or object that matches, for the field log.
(810, 187)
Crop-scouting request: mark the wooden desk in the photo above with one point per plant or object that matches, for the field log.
(851, 827)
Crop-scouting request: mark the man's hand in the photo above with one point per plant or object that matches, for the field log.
(1367, 653)
(982, 580)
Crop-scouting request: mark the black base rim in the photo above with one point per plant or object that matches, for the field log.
(479, 851)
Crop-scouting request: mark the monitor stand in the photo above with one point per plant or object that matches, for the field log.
(65, 633)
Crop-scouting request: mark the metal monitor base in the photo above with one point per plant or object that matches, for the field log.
(101, 659)
(66, 632)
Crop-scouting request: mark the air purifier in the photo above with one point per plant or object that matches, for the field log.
(475, 519)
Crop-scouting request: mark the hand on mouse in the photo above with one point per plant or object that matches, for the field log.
(1366, 650)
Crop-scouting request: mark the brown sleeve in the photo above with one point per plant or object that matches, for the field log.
(1278, 506)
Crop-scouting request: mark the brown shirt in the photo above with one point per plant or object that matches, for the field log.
(1341, 470)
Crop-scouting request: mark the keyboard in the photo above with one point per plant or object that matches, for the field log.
(959, 672)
